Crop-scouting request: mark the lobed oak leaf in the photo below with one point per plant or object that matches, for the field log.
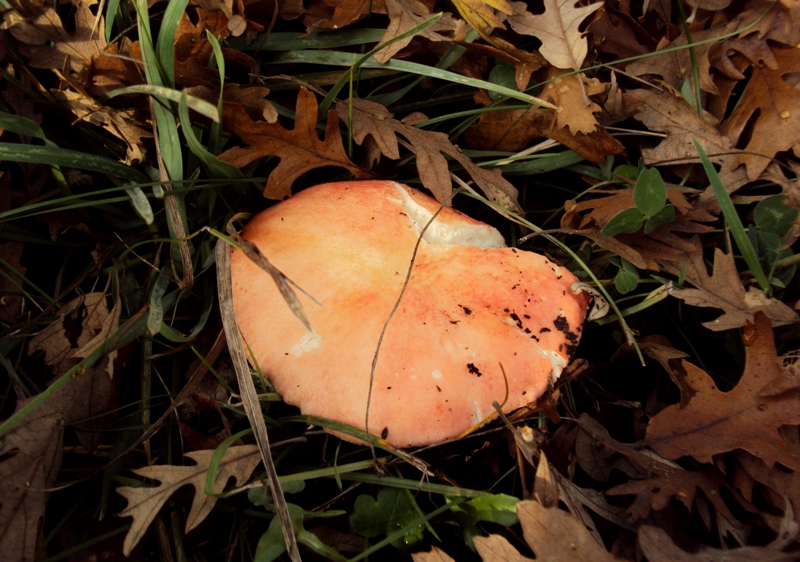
(563, 44)
(574, 125)
(30, 453)
(48, 45)
(118, 122)
(724, 290)
(748, 417)
(374, 120)
(496, 548)
(554, 534)
(405, 15)
(657, 493)
(657, 546)
(772, 103)
(619, 33)
(670, 113)
(435, 554)
(346, 12)
(144, 503)
(300, 149)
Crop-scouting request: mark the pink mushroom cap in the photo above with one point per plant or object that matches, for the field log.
(471, 305)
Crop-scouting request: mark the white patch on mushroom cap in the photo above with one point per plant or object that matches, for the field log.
(557, 362)
(476, 412)
(436, 374)
(309, 342)
(480, 235)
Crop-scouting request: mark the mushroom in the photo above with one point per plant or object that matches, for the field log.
(471, 306)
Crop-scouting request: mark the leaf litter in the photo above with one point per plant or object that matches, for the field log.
(693, 457)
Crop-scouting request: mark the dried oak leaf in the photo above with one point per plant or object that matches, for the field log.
(781, 484)
(551, 533)
(45, 42)
(119, 122)
(619, 33)
(144, 503)
(30, 453)
(666, 244)
(657, 493)
(346, 12)
(575, 126)
(435, 554)
(404, 15)
(251, 98)
(670, 113)
(657, 546)
(374, 120)
(747, 417)
(770, 107)
(676, 66)
(299, 149)
(496, 548)
(724, 290)
(563, 44)
(554, 534)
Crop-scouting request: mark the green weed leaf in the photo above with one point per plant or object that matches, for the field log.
(773, 215)
(627, 221)
(650, 193)
(665, 215)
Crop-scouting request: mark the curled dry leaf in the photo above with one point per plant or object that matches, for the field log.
(496, 548)
(657, 545)
(48, 45)
(144, 503)
(435, 554)
(404, 15)
(748, 417)
(774, 104)
(554, 534)
(299, 149)
(30, 453)
(563, 44)
(724, 290)
(430, 148)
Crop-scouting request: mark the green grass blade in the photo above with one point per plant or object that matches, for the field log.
(337, 58)
(72, 158)
(200, 106)
(346, 77)
(165, 46)
(216, 167)
(732, 218)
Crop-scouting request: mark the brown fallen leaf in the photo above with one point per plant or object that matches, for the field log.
(118, 122)
(299, 149)
(144, 503)
(404, 15)
(575, 126)
(657, 545)
(770, 109)
(435, 554)
(724, 290)
(496, 548)
(563, 44)
(45, 42)
(31, 451)
(683, 485)
(747, 417)
(670, 113)
(554, 534)
(374, 120)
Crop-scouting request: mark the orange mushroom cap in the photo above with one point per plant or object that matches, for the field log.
(471, 305)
